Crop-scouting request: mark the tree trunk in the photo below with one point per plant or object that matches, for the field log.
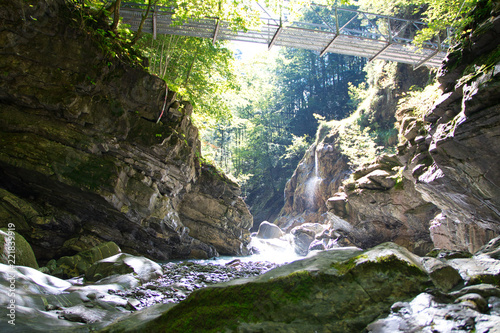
(138, 33)
(116, 15)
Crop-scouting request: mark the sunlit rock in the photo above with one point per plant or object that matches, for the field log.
(268, 230)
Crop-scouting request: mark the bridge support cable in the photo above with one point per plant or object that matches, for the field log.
(275, 37)
(389, 42)
(216, 32)
(338, 31)
(417, 66)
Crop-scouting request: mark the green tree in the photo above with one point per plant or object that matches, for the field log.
(438, 14)
(194, 67)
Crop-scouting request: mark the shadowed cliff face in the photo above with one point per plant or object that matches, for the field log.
(82, 158)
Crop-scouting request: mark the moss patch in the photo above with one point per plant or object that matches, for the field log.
(250, 302)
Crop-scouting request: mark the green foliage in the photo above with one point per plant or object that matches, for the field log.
(297, 148)
(198, 70)
(315, 85)
(418, 102)
(358, 143)
(92, 17)
(324, 128)
(438, 14)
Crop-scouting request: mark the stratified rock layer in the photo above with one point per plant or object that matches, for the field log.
(456, 165)
(82, 157)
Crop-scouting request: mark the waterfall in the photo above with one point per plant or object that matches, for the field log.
(316, 163)
(312, 183)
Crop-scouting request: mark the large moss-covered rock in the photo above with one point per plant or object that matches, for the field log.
(15, 250)
(72, 266)
(339, 290)
(83, 159)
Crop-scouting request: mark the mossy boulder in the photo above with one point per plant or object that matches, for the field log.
(340, 290)
(71, 266)
(16, 250)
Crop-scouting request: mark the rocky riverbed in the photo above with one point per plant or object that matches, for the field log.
(182, 278)
(112, 288)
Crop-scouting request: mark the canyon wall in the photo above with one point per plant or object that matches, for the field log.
(441, 187)
(83, 158)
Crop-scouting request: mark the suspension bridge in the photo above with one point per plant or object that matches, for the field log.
(335, 30)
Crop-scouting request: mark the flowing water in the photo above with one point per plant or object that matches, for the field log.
(276, 251)
(313, 183)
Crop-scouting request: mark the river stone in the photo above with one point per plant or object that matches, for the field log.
(144, 269)
(23, 253)
(339, 290)
(302, 239)
(83, 314)
(304, 235)
(268, 230)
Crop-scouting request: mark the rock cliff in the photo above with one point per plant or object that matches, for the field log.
(453, 158)
(83, 159)
(441, 189)
(365, 200)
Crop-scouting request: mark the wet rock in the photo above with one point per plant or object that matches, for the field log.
(67, 267)
(304, 235)
(428, 313)
(82, 314)
(448, 254)
(47, 303)
(473, 301)
(269, 230)
(443, 275)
